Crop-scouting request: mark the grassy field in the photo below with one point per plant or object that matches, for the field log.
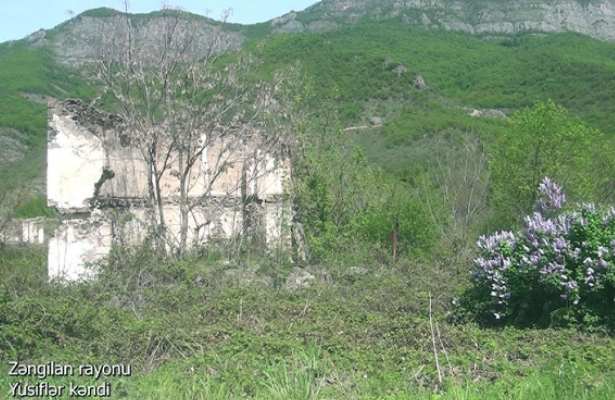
(195, 330)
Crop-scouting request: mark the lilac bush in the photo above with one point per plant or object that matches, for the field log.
(552, 196)
(562, 259)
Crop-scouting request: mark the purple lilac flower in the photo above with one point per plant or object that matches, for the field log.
(551, 195)
(609, 216)
(560, 244)
(493, 242)
(590, 278)
(493, 263)
(535, 259)
(575, 254)
(536, 224)
(564, 222)
(553, 268)
(547, 246)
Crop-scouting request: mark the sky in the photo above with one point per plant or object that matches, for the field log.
(19, 18)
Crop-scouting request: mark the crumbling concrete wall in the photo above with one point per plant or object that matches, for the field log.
(76, 243)
(75, 161)
(98, 183)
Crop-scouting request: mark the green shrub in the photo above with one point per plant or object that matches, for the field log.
(559, 269)
(345, 202)
(545, 140)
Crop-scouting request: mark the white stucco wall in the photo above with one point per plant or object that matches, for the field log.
(75, 161)
(278, 218)
(75, 244)
(273, 177)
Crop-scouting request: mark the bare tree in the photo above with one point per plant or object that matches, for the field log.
(5, 217)
(460, 173)
(9, 201)
(178, 101)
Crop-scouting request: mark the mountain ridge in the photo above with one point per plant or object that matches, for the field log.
(594, 18)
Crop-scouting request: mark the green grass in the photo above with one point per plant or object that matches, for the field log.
(25, 70)
(310, 374)
(34, 206)
(351, 336)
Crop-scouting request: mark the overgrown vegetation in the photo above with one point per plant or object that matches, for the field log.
(357, 63)
(391, 213)
(198, 329)
(546, 140)
(558, 270)
(349, 206)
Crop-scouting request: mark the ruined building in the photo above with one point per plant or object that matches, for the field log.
(97, 182)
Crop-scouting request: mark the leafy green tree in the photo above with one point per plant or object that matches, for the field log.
(545, 140)
(346, 204)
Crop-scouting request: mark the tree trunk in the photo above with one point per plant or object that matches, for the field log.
(184, 214)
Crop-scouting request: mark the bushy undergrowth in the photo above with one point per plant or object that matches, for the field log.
(201, 328)
(350, 207)
(558, 270)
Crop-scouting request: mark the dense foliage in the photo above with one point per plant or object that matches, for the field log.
(358, 63)
(559, 269)
(350, 207)
(211, 328)
(546, 140)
